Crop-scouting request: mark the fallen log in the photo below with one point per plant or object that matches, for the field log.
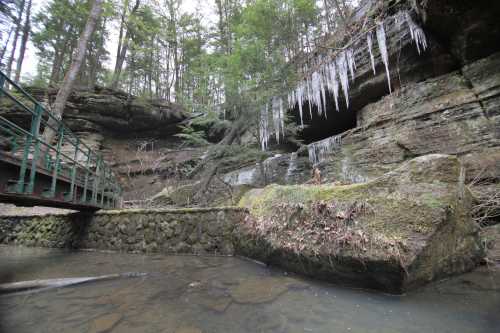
(14, 287)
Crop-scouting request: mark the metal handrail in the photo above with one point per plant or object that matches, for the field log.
(82, 174)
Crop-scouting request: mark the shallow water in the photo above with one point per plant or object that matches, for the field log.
(184, 294)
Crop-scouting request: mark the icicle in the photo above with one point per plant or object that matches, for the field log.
(351, 62)
(323, 96)
(316, 86)
(319, 151)
(417, 34)
(282, 117)
(342, 71)
(334, 82)
(309, 97)
(324, 86)
(300, 100)
(276, 118)
(382, 45)
(369, 41)
(264, 127)
(399, 18)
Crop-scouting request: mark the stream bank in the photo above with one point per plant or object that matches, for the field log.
(400, 231)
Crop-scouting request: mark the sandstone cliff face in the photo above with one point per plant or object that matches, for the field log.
(446, 100)
(457, 113)
(449, 100)
(115, 113)
(458, 34)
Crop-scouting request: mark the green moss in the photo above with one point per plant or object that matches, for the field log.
(431, 200)
(168, 211)
(262, 201)
(398, 212)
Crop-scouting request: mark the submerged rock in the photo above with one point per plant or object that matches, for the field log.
(408, 227)
(262, 290)
(105, 323)
(188, 330)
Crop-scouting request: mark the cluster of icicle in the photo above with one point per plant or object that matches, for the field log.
(278, 121)
(319, 151)
(332, 75)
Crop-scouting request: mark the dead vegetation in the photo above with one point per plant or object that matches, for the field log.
(324, 227)
(486, 207)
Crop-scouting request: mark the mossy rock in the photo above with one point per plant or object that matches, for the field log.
(405, 228)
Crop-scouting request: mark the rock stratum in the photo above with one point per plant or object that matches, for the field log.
(110, 113)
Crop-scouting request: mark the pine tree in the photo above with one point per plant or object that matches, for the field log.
(70, 77)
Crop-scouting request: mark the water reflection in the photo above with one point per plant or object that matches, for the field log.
(183, 294)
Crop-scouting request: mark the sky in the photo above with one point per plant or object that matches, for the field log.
(188, 6)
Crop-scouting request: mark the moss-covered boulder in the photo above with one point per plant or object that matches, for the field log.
(408, 227)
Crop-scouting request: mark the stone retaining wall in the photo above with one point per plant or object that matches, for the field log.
(183, 231)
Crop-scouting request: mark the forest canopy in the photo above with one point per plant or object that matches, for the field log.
(157, 49)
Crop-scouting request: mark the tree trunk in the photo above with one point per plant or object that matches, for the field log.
(122, 27)
(24, 41)
(60, 50)
(71, 75)
(94, 61)
(2, 54)
(56, 68)
(123, 51)
(16, 37)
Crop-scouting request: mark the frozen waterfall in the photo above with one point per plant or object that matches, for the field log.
(319, 151)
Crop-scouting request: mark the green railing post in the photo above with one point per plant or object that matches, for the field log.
(86, 182)
(24, 163)
(35, 132)
(104, 184)
(73, 172)
(97, 179)
(55, 171)
(47, 159)
(14, 144)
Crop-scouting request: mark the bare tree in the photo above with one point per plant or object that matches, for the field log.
(4, 49)
(24, 41)
(74, 69)
(16, 37)
(123, 45)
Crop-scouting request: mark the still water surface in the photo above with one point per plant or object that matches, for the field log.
(184, 294)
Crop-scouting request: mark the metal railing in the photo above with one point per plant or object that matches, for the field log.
(66, 159)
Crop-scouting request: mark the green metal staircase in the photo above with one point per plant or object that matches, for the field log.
(63, 173)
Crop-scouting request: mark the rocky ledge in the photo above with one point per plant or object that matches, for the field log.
(406, 228)
(107, 112)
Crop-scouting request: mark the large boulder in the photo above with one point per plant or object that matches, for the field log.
(408, 227)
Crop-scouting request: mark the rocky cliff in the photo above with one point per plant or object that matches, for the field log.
(444, 100)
